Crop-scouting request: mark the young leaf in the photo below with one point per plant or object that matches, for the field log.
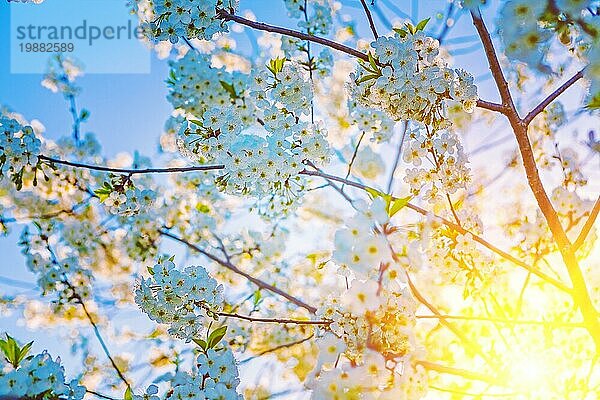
(401, 32)
(373, 192)
(373, 62)
(128, 394)
(421, 25)
(229, 88)
(276, 65)
(200, 343)
(397, 205)
(215, 336)
(257, 298)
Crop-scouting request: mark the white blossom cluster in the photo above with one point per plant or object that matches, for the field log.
(319, 18)
(19, 148)
(527, 29)
(181, 299)
(130, 201)
(256, 126)
(215, 377)
(122, 197)
(61, 74)
(372, 342)
(65, 275)
(439, 163)
(409, 80)
(175, 19)
(358, 248)
(37, 377)
(372, 121)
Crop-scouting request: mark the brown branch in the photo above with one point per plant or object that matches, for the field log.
(397, 158)
(99, 337)
(455, 227)
(505, 321)
(280, 347)
(370, 18)
(225, 16)
(459, 333)
(580, 294)
(491, 106)
(274, 320)
(540, 107)
(458, 372)
(261, 284)
(130, 171)
(490, 52)
(587, 227)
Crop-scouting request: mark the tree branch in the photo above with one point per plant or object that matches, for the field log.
(233, 268)
(99, 337)
(488, 105)
(455, 227)
(370, 18)
(580, 294)
(274, 320)
(225, 16)
(458, 372)
(540, 107)
(52, 160)
(587, 227)
(490, 52)
(473, 346)
(505, 321)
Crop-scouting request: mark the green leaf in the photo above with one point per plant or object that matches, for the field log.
(374, 192)
(276, 65)
(257, 298)
(401, 32)
(195, 121)
(12, 352)
(128, 394)
(200, 343)
(23, 352)
(150, 270)
(373, 62)
(215, 336)
(104, 191)
(367, 78)
(421, 25)
(397, 205)
(229, 88)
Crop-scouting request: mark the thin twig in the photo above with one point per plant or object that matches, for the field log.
(261, 284)
(587, 226)
(397, 158)
(274, 320)
(455, 227)
(540, 107)
(224, 15)
(353, 158)
(101, 340)
(276, 348)
(370, 18)
(457, 332)
(458, 372)
(505, 321)
(130, 171)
